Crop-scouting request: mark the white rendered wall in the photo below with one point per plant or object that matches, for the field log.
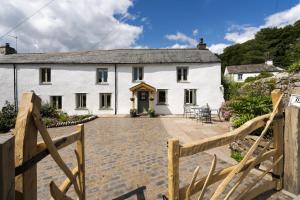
(206, 78)
(234, 77)
(6, 84)
(67, 80)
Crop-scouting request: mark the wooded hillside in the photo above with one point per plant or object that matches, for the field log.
(280, 44)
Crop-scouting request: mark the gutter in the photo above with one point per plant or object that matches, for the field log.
(116, 90)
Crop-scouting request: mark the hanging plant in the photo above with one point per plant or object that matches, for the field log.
(131, 99)
(151, 99)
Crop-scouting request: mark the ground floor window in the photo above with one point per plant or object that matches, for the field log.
(80, 100)
(105, 100)
(162, 96)
(56, 102)
(240, 76)
(190, 96)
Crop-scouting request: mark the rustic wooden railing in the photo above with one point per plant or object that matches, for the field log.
(28, 152)
(177, 151)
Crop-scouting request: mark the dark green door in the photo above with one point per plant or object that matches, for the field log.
(143, 101)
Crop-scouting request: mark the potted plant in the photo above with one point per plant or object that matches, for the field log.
(151, 113)
(133, 113)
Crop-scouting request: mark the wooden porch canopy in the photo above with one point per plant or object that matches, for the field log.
(143, 86)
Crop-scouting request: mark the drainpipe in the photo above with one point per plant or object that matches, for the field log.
(116, 89)
(15, 87)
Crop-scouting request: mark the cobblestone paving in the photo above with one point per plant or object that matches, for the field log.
(121, 155)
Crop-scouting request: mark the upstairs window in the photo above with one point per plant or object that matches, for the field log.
(102, 75)
(137, 73)
(182, 74)
(56, 102)
(81, 100)
(105, 100)
(190, 96)
(45, 74)
(240, 77)
(162, 96)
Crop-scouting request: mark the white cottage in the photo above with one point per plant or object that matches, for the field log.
(114, 81)
(239, 73)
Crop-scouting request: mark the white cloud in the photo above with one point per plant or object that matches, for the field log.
(182, 38)
(218, 48)
(178, 46)
(195, 32)
(69, 25)
(243, 33)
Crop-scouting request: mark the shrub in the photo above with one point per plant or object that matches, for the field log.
(8, 116)
(151, 113)
(62, 117)
(48, 111)
(237, 155)
(231, 89)
(133, 112)
(260, 76)
(295, 67)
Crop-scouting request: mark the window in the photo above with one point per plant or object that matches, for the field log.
(45, 75)
(138, 73)
(56, 102)
(162, 96)
(240, 76)
(105, 100)
(81, 100)
(102, 74)
(190, 96)
(182, 74)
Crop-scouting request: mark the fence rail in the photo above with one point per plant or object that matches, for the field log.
(177, 151)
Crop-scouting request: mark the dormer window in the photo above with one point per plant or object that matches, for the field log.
(45, 75)
(182, 74)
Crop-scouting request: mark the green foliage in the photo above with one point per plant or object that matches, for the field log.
(295, 67)
(8, 116)
(260, 76)
(133, 112)
(280, 44)
(151, 113)
(48, 111)
(237, 155)
(230, 88)
(62, 117)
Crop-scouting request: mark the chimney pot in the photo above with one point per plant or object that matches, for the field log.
(201, 45)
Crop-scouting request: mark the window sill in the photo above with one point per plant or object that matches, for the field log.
(81, 109)
(102, 83)
(162, 104)
(45, 83)
(183, 82)
(105, 109)
(137, 81)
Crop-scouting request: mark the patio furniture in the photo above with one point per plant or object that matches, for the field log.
(188, 112)
(205, 114)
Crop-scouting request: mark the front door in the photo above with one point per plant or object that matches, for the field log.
(143, 101)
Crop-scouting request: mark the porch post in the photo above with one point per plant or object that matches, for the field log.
(151, 105)
(133, 100)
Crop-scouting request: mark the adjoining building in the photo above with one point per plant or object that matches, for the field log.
(240, 73)
(115, 81)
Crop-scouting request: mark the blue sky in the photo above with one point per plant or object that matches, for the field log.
(69, 25)
(212, 18)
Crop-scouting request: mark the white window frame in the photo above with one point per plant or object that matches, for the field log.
(181, 69)
(47, 71)
(166, 96)
(79, 97)
(55, 102)
(138, 74)
(103, 71)
(240, 77)
(105, 107)
(192, 99)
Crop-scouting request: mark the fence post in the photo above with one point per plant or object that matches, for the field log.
(173, 169)
(7, 166)
(80, 149)
(26, 146)
(292, 150)
(278, 134)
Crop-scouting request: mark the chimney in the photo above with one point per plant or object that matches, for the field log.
(201, 45)
(269, 62)
(7, 49)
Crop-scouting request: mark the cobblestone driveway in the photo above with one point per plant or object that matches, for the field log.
(121, 155)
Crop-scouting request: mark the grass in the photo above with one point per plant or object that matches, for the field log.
(237, 155)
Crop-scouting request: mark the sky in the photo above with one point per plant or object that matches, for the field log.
(76, 25)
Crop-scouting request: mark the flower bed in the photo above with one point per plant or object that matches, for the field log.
(72, 120)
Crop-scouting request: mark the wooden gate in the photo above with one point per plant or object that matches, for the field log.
(28, 152)
(177, 151)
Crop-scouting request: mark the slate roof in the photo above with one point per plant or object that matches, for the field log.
(118, 56)
(252, 68)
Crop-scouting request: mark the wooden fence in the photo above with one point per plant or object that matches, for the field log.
(28, 152)
(177, 151)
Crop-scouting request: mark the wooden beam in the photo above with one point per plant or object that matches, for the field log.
(25, 145)
(219, 175)
(278, 136)
(80, 149)
(57, 194)
(258, 190)
(227, 138)
(7, 165)
(173, 169)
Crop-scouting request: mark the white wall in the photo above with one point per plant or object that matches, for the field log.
(66, 80)
(234, 77)
(206, 78)
(6, 84)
